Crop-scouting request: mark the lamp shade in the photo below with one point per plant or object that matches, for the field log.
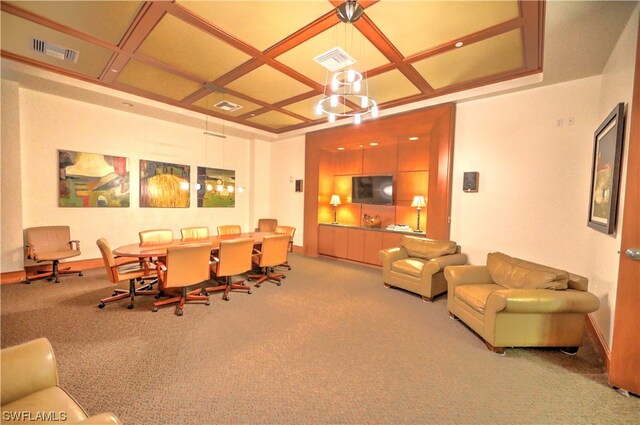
(335, 200)
(418, 201)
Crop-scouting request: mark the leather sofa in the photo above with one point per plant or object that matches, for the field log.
(417, 265)
(30, 390)
(515, 303)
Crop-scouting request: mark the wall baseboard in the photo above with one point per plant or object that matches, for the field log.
(21, 275)
(598, 341)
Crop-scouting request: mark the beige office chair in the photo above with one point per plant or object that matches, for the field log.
(267, 224)
(233, 258)
(156, 236)
(273, 253)
(231, 229)
(286, 230)
(134, 270)
(194, 233)
(185, 266)
(51, 243)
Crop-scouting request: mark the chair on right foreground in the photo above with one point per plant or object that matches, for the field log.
(417, 265)
(273, 253)
(516, 303)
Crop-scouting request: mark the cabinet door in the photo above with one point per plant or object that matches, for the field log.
(325, 240)
(372, 244)
(340, 242)
(356, 245)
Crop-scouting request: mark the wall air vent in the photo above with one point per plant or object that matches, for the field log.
(227, 106)
(334, 59)
(58, 52)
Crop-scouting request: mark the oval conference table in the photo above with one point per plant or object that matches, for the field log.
(159, 249)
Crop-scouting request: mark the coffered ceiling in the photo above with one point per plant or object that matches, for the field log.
(260, 54)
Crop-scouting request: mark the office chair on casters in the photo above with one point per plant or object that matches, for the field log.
(231, 229)
(273, 253)
(51, 243)
(186, 265)
(286, 230)
(267, 225)
(233, 258)
(189, 233)
(133, 270)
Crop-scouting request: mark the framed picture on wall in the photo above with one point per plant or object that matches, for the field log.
(92, 180)
(216, 187)
(605, 172)
(164, 185)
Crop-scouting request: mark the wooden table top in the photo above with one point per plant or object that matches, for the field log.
(160, 249)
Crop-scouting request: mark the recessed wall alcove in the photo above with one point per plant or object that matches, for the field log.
(415, 147)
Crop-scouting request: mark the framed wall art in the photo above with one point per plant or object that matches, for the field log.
(216, 187)
(164, 185)
(92, 180)
(605, 172)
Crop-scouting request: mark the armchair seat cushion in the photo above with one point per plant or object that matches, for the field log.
(52, 399)
(56, 255)
(409, 266)
(475, 296)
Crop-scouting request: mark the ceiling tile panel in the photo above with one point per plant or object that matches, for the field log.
(306, 108)
(259, 23)
(268, 84)
(185, 47)
(415, 26)
(389, 86)
(106, 20)
(275, 120)
(494, 55)
(347, 37)
(212, 99)
(139, 75)
(16, 38)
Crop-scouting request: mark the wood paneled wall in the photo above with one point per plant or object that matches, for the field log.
(420, 167)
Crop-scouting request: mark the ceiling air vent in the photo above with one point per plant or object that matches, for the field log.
(227, 106)
(57, 52)
(334, 59)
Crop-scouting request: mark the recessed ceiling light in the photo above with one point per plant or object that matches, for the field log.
(373, 144)
(340, 148)
(412, 138)
(459, 44)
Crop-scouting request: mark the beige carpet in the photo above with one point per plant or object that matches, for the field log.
(331, 345)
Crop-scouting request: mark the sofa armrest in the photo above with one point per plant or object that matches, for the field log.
(466, 275)
(541, 301)
(389, 255)
(100, 419)
(27, 368)
(450, 260)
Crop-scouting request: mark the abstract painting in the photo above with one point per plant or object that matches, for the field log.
(92, 180)
(164, 185)
(216, 187)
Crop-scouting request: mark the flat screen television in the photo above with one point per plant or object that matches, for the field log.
(376, 190)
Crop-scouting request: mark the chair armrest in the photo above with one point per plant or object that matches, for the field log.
(389, 255)
(450, 260)
(102, 418)
(27, 368)
(75, 245)
(465, 275)
(160, 266)
(541, 301)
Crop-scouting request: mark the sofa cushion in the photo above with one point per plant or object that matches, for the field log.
(475, 296)
(427, 248)
(409, 266)
(519, 274)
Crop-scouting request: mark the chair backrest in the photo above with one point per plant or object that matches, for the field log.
(235, 256)
(287, 230)
(231, 229)
(109, 260)
(156, 236)
(48, 238)
(274, 250)
(267, 224)
(194, 232)
(187, 265)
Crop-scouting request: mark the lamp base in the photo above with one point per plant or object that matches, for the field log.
(335, 222)
(418, 231)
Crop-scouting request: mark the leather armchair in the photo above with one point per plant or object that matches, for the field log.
(30, 388)
(51, 243)
(516, 303)
(418, 264)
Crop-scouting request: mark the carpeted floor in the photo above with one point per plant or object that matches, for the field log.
(330, 346)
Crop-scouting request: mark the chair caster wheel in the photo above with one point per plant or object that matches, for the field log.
(226, 298)
(154, 309)
(278, 283)
(179, 312)
(157, 296)
(207, 303)
(27, 282)
(101, 305)
(257, 286)
(130, 306)
(56, 281)
(284, 277)
(80, 274)
(249, 292)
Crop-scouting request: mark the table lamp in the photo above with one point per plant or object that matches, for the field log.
(419, 202)
(335, 201)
